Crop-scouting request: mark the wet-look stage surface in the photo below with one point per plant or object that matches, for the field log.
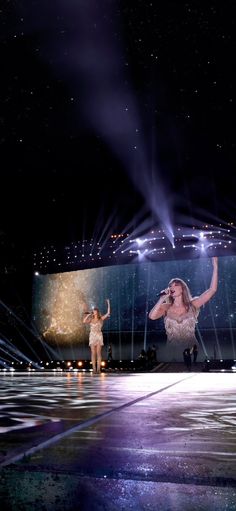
(143, 441)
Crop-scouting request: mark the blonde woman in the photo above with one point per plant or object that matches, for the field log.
(95, 319)
(180, 311)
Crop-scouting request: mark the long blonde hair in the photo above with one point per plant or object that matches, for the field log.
(186, 295)
(98, 312)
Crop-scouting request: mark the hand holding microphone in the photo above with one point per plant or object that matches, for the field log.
(162, 300)
(164, 292)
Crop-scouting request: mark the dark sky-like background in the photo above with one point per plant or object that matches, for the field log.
(101, 99)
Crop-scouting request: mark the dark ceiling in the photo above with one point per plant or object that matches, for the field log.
(67, 71)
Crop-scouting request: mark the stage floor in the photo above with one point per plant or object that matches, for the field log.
(147, 441)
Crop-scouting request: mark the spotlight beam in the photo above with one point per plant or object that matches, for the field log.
(95, 66)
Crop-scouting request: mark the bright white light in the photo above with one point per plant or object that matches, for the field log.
(139, 241)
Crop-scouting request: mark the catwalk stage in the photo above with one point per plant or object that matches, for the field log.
(144, 441)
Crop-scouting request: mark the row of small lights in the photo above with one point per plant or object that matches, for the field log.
(45, 253)
(129, 255)
(233, 368)
(69, 366)
(80, 367)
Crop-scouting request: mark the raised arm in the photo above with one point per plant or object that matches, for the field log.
(107, 315)
(160, 307)
(87, 318)
(207, 295)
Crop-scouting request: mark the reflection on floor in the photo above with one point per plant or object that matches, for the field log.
(135, 441)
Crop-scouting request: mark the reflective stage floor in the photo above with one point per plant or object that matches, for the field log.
(147, 441)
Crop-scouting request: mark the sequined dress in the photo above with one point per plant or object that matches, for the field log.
(95, 335)
(180, 330)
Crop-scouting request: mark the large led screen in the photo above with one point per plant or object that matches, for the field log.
(60, 301)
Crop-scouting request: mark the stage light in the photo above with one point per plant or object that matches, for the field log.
(80, 363)
(140, 242)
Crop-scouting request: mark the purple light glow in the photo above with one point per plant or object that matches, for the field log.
(90, 59)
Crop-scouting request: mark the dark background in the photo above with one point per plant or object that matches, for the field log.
(61, 175)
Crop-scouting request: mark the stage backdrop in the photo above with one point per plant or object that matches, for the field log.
(60, 300)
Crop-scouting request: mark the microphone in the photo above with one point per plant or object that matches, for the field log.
(88, 312)
(162, 293)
